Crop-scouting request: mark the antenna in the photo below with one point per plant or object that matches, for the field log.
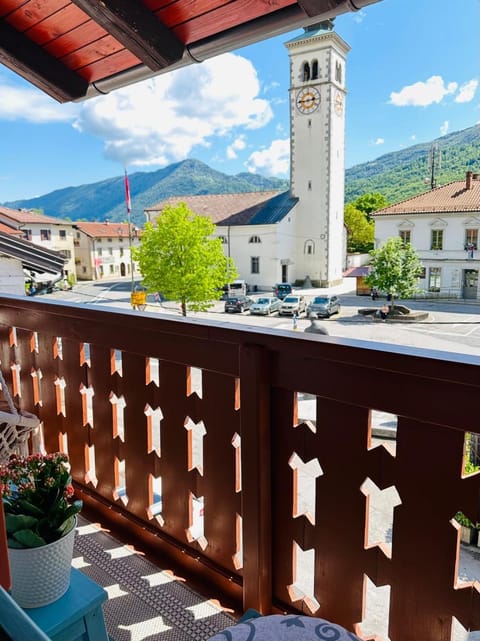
(434, 163)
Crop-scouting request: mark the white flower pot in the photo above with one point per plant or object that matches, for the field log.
(41, 575)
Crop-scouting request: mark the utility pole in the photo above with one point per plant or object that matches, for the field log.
(434, 163)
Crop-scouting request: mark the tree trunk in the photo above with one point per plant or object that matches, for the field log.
(183, 307)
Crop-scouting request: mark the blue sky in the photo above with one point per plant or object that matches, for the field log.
(412, 75)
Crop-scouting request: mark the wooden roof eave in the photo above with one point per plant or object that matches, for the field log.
(268, 26)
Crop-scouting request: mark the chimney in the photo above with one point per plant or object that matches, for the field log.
(468, 184)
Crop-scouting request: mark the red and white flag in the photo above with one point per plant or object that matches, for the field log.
(127, 193)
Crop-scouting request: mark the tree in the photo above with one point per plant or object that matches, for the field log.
(395, 269)
(370, 202)
(360, 231)
(179, 258)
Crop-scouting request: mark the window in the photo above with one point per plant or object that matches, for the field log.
(99, 252)
(122, 251)
(434, 279)
(306, 71)
(437, 239)
(223, 239)
(255, 264)
(255, 239)
(471, 238)
(338, 72)
(45, 234)
(65, 252)
(112, 269)
(78, 235)
(84, 270)
(110, 251)
(314, 69)
(405, 235)
(309, 247)
(62, 234)
(109, 240)
(27, 234)
(422, 273)
(99, 240)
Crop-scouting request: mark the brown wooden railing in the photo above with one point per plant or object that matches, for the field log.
(277, 533)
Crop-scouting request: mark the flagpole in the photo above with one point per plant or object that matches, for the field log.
(129, 210)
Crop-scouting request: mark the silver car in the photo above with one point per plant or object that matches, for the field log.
(266, 305)
(292, 304)
(324, 306)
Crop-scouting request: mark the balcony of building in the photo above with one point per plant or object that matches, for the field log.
(242, 460)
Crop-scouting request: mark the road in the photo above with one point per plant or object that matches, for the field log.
(451, 326)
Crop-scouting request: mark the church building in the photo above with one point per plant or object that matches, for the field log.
(298, 235)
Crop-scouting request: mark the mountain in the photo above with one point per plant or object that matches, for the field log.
(106, 199)
(397, 175)
(405, 173)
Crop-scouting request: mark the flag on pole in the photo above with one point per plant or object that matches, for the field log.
(127, 193)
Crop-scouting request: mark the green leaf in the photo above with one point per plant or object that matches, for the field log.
(16, 522)
(29, 508)
(29, 539)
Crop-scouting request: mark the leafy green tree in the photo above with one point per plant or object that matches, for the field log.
(370, 202)
(178, 257)
(395, 269)
(360, 231)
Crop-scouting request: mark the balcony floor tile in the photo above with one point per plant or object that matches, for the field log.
(144, 601)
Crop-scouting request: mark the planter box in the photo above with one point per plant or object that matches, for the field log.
(468, 535)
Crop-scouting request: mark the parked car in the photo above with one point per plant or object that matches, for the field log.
(324, 306)
(292, 304)
(238, 303)
(282, 289)
(266, 305)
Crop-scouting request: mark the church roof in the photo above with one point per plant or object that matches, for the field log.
(457, 196)
(250, 208)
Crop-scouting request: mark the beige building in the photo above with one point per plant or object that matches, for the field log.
(102, 250)
(45, 231)
(443, 225)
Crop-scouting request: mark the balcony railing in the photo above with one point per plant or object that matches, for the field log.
(159, 415)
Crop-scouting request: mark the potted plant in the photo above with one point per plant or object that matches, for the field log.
(40, 517)
(468, 529)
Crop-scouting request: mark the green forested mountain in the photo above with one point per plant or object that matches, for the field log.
(106, 199)
(405, 173)
(397, 175)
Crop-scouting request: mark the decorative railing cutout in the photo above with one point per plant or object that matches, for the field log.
(305, 410)
(304, 486)
(303, 586)
(379, 510)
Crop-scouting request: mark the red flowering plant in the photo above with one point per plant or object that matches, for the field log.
(37, 498)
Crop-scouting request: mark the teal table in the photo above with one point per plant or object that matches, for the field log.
(77, 615)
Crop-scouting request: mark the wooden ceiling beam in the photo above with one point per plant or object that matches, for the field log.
(38, 67)
(137, 29)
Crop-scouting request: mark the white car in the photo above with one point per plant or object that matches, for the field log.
(266, 305)
(292, 304)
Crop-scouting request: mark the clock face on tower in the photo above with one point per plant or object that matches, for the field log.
(307, 100)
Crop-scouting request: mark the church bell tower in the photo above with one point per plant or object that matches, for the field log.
(317, 151)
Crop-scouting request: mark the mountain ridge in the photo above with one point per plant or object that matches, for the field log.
(397, 175)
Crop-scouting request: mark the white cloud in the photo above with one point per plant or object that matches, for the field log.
(467, 91)
(444, 128)
(413, 137)
(273, 161)
(237, 145)
(30, 104)
(378, 141)
(359, 17)
(161, 120)
(422, 94)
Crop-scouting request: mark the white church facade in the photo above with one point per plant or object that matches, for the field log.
(294, 236)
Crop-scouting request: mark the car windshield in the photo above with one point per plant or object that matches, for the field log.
(263, 301)
(232, 300)
(291, 299)
(320, 300)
